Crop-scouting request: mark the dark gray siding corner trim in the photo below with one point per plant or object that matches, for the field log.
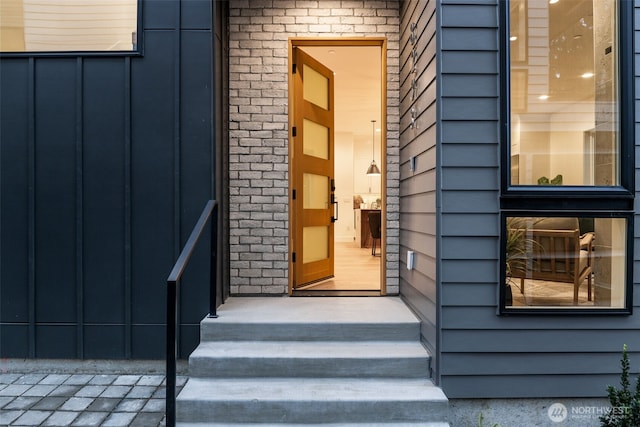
(469, 172)
(418, 221)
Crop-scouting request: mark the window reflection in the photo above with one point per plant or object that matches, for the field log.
(68, 25)
(565, 261)
(564, 93)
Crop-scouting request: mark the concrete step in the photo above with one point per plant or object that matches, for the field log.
(307, 319)
(223, 359)
(311, 361)
(311, 400)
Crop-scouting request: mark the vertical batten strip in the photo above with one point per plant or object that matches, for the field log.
(79, 211)
(176, 154)
(215, 154)
(127, 209)
(31, 150)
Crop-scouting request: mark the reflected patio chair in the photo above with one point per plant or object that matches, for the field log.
(557, 252)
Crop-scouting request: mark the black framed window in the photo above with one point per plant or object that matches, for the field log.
(567, 157)
(46, 26)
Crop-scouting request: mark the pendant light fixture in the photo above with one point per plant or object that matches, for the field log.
(373, 168)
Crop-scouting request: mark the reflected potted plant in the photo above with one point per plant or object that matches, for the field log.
(517, 248)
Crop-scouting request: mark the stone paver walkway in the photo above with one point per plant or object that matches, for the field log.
(46, 399)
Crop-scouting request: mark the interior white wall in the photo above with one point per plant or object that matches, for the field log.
(353, 157)
(566, 142)
(555, 145)
(566, 157)
(534, 156)
(344, 227)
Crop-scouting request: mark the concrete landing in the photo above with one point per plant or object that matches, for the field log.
(315, 309)
(312, 319)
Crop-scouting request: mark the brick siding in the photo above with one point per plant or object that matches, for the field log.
(258, 141)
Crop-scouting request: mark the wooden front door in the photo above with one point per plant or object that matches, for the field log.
(313, 171)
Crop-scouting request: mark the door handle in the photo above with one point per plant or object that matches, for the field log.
(333, 200)
(337, 210)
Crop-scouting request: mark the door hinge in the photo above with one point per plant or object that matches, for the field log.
(294, 131)
(293, 257)
(293, 194)
(294, 68)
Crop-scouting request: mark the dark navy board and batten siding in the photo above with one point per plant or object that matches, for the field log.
(479, 353)
(106, 163)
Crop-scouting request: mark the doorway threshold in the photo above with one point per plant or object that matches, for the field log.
(334, 293)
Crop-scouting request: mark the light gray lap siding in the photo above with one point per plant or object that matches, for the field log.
(479, 353)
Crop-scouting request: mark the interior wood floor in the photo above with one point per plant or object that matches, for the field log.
(355, 269)
(541, 293)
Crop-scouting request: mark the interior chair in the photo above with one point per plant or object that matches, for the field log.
(374, 228)
(555, 251)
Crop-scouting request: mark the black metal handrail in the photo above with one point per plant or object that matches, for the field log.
(210, 212)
